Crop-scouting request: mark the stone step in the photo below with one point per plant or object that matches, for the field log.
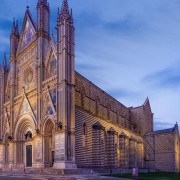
(51, 171)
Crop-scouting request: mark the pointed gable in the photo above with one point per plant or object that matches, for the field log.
(49, 108)
(25, 107)
(147, 105)
(28, 32)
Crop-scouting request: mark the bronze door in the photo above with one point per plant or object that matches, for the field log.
(29, 156)
(52, 154)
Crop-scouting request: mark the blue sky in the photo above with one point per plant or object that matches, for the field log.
(131, 49)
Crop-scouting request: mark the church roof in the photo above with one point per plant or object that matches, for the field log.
(163, 131)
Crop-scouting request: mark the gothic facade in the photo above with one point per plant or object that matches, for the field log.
(51, 116)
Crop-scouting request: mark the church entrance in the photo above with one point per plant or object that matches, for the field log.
(24, 132)
(49, 143)
(29, 156)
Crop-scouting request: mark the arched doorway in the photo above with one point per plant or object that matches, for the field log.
(49, 143)
(24, 133)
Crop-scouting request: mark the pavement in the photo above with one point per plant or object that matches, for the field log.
(49, 177)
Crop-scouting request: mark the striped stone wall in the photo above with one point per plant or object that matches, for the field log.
(91, 98)
(99, 142)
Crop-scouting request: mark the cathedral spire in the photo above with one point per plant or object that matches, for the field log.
(17, 28)
(65, 8)
(43, 3)
(64, 13)
(14, 37)
(43, 15)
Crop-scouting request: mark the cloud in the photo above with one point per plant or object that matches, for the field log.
(123, 93)
(166, 78)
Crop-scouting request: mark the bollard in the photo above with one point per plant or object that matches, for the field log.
(135, 173)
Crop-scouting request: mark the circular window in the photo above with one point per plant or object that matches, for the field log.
(29, 76)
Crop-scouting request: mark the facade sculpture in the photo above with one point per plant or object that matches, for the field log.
(51, 116)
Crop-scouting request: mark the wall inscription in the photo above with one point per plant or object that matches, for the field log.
(60, 147)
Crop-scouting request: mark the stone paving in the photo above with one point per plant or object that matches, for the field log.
(39, 177)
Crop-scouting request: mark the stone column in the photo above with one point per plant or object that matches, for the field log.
(127, 151)
(124, 160)
(98, 145)
(140, 154)
(111, 149)
(132, 152)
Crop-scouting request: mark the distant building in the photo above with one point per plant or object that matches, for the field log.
(51, 116)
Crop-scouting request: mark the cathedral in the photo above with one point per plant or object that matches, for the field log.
(53, 117)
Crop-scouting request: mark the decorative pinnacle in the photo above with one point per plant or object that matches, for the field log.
(65, 8)
(13, 26)
(71, 17)
(17, 28)
(5, 66)
(64, 13)
(42, 2)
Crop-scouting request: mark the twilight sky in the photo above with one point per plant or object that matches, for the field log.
(131, 49)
